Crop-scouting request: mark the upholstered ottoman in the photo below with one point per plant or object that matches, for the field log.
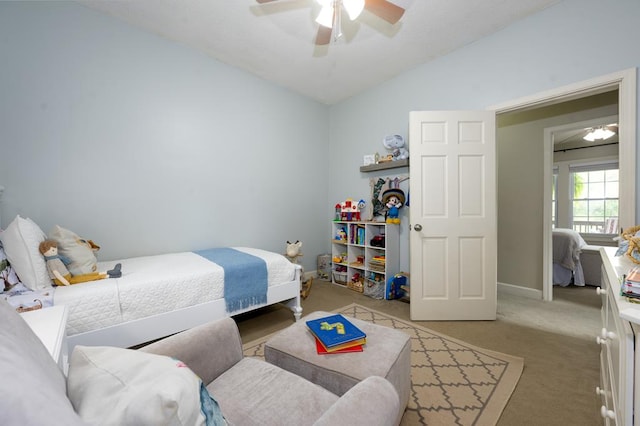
(387, 354)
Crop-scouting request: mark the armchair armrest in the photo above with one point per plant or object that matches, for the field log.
(373, 401)
(209, 349)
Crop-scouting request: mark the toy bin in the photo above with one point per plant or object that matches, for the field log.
(374, 289)
(324, 266)
(340, 277)
(356, 286)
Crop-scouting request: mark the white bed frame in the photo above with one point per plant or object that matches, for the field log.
(144, 330)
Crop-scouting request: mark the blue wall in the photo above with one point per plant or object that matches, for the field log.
(146, 146)
(561, 45)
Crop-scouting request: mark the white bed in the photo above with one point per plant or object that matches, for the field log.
(567, 267)
(156, 295)
(164, 294)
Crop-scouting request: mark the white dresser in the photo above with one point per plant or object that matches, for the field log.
(50, 325)
(620, 335)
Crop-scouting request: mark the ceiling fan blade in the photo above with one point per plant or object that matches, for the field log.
(324, 35)
(385, 10)
(264, 1)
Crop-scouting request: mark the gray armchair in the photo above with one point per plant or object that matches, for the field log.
(249, 391)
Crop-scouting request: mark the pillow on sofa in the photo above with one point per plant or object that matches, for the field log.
(76, 249)
(109, 385)
(21, 240)
(32, 385)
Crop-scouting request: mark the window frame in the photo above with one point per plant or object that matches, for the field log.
(578, 167)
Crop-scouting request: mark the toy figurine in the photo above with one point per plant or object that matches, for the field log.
(393, 199)
(59, 273)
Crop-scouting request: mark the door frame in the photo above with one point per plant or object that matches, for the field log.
(625, 82)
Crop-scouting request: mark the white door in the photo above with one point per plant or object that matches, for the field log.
(453, 231)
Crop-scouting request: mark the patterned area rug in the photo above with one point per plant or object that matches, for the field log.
(453, 383)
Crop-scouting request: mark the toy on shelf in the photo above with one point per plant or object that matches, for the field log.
(395, 143)
(340, 274)
(341, 258)
(377, 241)
(341, 235)
(393, 199)
(349, 210)
(292, 253)
(356, 283)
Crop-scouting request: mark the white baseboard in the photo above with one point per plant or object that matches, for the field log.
(517, 290)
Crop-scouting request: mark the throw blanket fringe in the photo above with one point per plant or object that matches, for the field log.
(245, 277)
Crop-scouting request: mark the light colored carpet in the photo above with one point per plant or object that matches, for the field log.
(453, 382)
(575, 312)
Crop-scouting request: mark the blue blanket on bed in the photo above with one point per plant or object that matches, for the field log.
(245, 277)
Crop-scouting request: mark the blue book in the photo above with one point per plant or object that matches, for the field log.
(335, 332)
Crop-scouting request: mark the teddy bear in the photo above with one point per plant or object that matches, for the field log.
(59, 273)
(395, 143)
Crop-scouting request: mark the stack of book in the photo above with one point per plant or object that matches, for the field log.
(377, 263)
(631, 284)
(335, 334)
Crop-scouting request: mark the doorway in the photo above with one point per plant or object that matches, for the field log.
(625, 83)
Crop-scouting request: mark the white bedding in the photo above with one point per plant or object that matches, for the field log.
(154, 285)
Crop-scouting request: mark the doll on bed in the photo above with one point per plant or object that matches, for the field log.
(59, 273)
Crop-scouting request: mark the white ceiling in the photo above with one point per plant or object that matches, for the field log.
(276, 40)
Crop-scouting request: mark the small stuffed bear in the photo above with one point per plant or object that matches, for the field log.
(395, 143)
(59, 273)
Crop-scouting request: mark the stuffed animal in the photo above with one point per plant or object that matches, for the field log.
(394, 199)
(59, 273)
(292, 253)
(395, 143)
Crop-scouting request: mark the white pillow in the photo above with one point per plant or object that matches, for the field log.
(110, 386)
(21, 241)
(78, 250)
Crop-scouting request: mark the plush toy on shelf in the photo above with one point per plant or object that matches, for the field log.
(395, 143)
(292, 253)
(393, 199)
(59, 273)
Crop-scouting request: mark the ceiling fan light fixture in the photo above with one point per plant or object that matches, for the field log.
(598, 133)
(325, 17)
(354, 8)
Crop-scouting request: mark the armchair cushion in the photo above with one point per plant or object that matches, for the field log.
(255, 392)
(110, 385)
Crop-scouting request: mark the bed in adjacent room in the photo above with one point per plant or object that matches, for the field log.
(156, 295)
(567, 268)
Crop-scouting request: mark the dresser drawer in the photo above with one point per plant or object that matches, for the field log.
(618, 357)
(604, 390)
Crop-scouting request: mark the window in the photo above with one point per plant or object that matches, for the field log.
(594, 200)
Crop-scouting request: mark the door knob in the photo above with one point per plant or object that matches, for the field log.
(418, 227)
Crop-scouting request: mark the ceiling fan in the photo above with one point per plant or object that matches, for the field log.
(331, 14)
